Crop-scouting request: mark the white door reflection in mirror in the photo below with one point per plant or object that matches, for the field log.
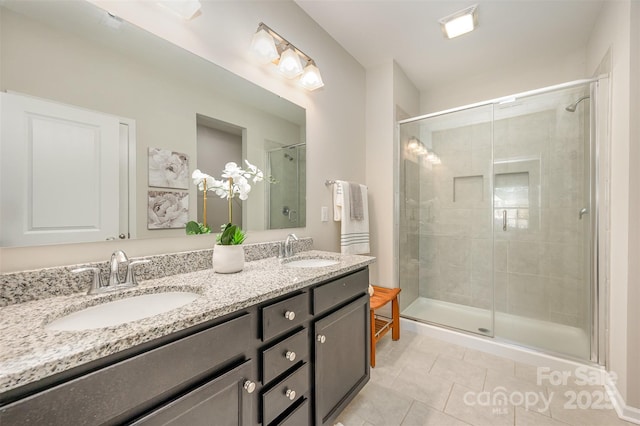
(60, 173)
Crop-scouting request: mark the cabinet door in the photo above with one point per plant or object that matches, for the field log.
(223, 401)
(341, 358)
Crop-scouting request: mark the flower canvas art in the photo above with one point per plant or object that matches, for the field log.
(167, 210)
(168, 169)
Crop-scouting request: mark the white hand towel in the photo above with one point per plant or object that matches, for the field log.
(354, 234)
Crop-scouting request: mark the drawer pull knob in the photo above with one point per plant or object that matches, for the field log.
(249, 386)
(290, 315)
(322, 338)
(290, 355)
(291, 394)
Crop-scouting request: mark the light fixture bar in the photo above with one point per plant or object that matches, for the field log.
(283, 43)
(287, 58)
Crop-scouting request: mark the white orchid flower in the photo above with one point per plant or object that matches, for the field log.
(254, 172)
(199, 178)
(232, 171)
(243, 190)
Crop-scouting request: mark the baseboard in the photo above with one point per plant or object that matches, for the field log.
(625, 412)
(523, 355)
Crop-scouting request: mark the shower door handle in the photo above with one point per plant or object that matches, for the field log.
(582, 212)
(504, 220)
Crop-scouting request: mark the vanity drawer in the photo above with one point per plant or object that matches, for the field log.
(339, 291)
(284, 315)
(299, 416)
(276, 400)
(124, 389)
(284, 355)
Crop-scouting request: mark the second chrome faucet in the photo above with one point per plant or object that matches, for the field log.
(285, 248)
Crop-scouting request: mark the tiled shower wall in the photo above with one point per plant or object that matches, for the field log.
(540, 181)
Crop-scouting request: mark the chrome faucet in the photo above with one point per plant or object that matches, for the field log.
(288, 245)
(114, 283)
(117, 258)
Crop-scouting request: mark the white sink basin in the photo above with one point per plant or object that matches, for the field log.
(122, 311)
(312, 263)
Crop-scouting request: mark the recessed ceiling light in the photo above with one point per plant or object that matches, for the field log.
(460, 22)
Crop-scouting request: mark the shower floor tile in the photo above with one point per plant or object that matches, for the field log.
(417, 382)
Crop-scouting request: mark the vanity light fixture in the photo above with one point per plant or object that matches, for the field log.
(416, 147)
(186, 9)
(460, 22)
(269, 46)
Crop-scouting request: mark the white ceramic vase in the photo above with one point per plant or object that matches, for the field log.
(228, 259)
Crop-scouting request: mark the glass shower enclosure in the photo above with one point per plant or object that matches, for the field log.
(495, 226)
(287, 202)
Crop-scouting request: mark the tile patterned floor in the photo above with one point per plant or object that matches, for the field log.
(420, 380)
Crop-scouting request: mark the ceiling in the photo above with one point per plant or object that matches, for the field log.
(525, 32)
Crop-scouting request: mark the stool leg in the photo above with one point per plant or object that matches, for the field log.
(373, 338)
(395, 318)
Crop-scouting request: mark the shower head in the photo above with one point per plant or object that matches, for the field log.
(573, 106)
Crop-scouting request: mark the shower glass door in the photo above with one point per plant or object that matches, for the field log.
(542, 221)
(446, 242)
(496, 222)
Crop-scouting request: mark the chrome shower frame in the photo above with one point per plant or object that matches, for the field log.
(598, 142)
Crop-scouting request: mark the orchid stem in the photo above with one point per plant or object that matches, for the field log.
(204, 203)
(230, 197)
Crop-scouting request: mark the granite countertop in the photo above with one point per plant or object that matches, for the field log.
(30, 352)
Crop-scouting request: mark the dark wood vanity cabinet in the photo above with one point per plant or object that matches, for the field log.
(341, 358)
(325, 376)
(225, 400)
(116, 390)
(341, 351)
(295, 360)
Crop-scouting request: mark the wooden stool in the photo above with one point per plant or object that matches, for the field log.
(379, 325)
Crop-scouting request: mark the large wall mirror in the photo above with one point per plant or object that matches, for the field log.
(164, 111)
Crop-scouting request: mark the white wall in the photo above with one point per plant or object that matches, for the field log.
(613, 32)
(388, 89)
(335, 114)
(379, 171)
(520, 77)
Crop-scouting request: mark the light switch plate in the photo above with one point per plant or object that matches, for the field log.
(324, 214)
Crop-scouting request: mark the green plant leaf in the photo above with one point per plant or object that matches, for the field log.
(193, 228)
(231, 235)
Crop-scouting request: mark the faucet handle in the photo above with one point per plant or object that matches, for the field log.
(131, 275)
(97, 284)
(281, 250)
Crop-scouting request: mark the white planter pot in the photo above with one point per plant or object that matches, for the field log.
(228, 259)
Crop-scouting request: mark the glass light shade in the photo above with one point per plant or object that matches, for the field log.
(311, 79)
(290, 65)
(263, 47)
